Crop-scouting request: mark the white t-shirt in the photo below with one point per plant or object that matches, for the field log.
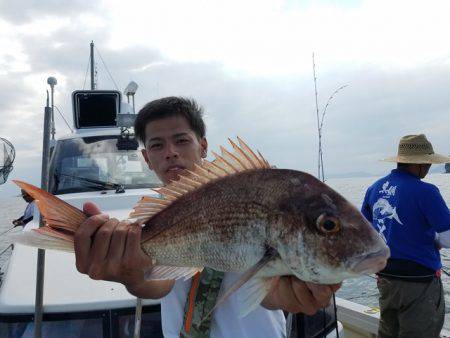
(260, 323)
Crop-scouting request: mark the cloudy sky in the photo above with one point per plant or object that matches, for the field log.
(248, 63)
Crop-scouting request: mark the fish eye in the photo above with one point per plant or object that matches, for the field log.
(328, 224)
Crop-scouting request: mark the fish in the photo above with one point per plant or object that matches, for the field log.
(237, 213)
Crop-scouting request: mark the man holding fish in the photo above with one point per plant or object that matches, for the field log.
(175, 140)
(231, 244)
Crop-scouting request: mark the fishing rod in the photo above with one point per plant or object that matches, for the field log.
(4, 250)
(320, 166)
(4, 232)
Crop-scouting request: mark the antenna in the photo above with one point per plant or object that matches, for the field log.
(52, 82)
(130, 90)
(92, 66)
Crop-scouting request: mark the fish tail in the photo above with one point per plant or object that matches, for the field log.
(61, 221)
(42, 240)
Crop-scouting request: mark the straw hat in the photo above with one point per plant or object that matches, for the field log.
(416, 149)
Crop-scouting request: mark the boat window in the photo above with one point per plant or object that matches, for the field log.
(95, 163)
(150, 326)
(55, 329)
(116, 323)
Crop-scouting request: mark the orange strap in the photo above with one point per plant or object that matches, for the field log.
(191, 300)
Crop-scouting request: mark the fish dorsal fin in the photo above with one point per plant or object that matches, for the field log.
(242, 158)
(147, 207)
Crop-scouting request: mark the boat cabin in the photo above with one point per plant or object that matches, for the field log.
(98, 162)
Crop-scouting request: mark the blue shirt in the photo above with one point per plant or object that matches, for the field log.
(408, 213)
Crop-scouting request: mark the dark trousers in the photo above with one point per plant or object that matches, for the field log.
(410, 309)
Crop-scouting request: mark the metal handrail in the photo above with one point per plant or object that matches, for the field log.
(38, 308)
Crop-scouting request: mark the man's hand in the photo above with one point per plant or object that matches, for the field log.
(110, 250)
(18, 222)
(290, 294)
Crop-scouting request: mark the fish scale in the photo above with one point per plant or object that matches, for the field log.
(210, 228)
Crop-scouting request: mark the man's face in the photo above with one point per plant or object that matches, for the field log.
(171, 146)
(424, 168)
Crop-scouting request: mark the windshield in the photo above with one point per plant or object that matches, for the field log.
(94, 163)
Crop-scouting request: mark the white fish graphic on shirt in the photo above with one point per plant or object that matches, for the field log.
(383, 209)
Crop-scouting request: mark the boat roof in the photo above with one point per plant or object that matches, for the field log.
(65, 289)
(87, 132)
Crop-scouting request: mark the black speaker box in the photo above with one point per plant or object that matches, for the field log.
(96, 108)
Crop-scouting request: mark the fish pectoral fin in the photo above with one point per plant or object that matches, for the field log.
(270, 255)
(254, 291)
(162, 272)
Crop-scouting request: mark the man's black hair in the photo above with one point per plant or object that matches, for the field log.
(168, 107)
(407, 165)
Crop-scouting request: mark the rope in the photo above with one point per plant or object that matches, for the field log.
(87, 69)
(4, 232)
(335, 315)
(9, 246)
(362, 296)
(406, 277)
(67, 124)
(107, 70)
(371, 276)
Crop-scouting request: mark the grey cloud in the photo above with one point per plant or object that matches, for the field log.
(276, 115)
(16, 100)
(11, 91)
(363, 124)
(64, 52)
(272, 114)
(23, 11)
(369, 117)
(67, 51)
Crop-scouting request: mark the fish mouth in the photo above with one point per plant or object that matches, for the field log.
(175, 168)
(371, 263)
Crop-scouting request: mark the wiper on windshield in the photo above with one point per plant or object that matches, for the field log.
(101, 185)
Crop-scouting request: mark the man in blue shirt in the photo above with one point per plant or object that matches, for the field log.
(414, 220)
